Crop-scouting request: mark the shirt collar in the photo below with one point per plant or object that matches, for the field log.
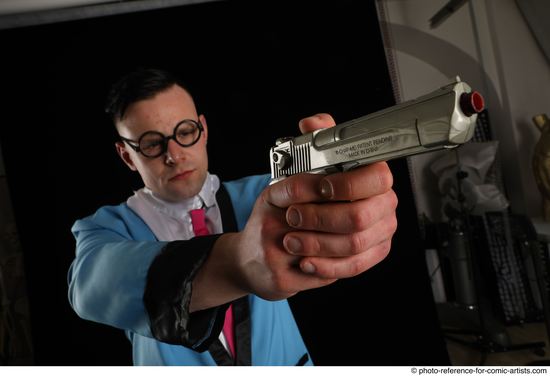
(206, 198)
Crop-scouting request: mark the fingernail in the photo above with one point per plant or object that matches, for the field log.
(293, 217)
(327, 191)
(308, 268)
(293, 245)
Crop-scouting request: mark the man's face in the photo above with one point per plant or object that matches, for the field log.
(180, 172)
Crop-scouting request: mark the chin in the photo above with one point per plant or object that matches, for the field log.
(178, 196)
(185, 192)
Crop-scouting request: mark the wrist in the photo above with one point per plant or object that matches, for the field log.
(221, 278)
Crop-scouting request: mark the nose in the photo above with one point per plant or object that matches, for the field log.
(174, 152)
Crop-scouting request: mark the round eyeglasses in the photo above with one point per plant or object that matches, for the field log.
(153, 144)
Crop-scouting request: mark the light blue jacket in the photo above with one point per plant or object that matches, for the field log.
(107, 279)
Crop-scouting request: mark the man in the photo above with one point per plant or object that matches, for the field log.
(151, 267)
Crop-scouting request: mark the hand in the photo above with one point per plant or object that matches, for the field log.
(309, 230)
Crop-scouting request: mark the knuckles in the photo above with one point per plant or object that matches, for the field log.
(383, 250)
(394, 201)
(272, 226)
(358, 243)
(348, 189)
(352, 185)
(293, 190)
(385, 176)
(355, 268)
(393, 224)
(360, 219)
(310, 246)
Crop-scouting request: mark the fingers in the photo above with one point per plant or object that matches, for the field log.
(314, 272)
(359, 183)
(294, 189)
(305, 243)
(351, 185)
(283, 277)
(354, 242)
(342, 217)
(294, 280)
(345, 267)
(315, 122)
(340, 224)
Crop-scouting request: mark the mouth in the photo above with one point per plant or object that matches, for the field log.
(181, 175)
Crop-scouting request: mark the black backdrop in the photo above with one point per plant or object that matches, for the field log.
(255, 70)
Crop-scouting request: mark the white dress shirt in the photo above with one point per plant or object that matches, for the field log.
(171, 220)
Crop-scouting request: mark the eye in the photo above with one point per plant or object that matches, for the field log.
(151, 144)
(186, 129)
(186, 132)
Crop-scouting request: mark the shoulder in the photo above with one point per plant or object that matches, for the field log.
(118, 218)
(243, 193)
(247, 186)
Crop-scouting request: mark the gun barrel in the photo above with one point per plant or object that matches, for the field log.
(443, 118)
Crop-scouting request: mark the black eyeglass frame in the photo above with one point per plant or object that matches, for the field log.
(165, 139)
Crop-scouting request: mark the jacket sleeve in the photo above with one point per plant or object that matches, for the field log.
(168, 295)
(123, 277)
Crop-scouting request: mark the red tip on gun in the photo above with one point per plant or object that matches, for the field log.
(472, 103)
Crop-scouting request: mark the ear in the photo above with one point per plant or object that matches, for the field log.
(203, 122)
(125, 155)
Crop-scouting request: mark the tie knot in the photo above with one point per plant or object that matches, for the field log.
(198, 220)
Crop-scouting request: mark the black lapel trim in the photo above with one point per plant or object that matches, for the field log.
(241, 311)
(229, 223)
(303, 360)
(241, 314)
(220, 354)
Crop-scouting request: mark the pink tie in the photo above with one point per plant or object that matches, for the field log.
(198, 219)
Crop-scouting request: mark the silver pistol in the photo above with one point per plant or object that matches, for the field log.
(444, 118)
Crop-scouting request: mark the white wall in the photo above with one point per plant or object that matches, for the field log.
(487, 43)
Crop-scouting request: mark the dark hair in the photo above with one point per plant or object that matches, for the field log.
(143, 83)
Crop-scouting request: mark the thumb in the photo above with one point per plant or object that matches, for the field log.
(315, 122)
